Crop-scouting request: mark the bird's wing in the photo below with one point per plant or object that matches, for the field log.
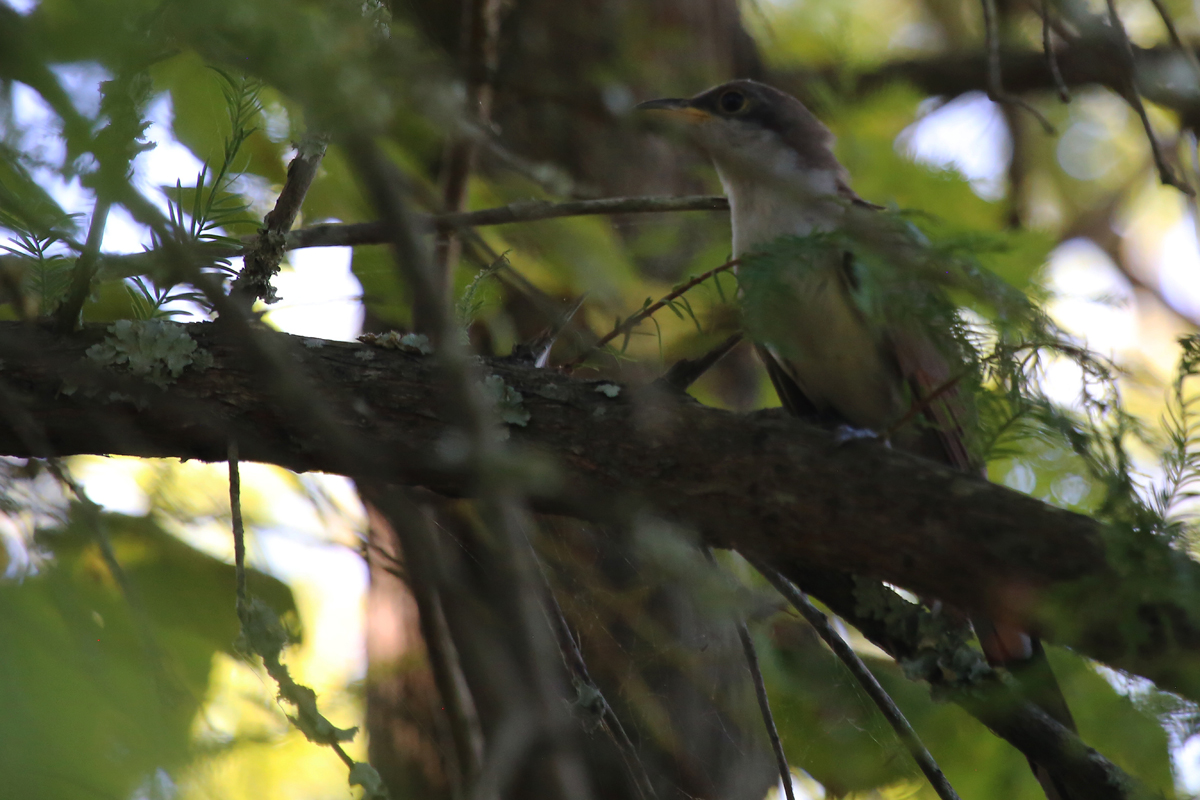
(791, 395)
(936, 397)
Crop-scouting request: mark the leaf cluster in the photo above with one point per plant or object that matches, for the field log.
(215, 204)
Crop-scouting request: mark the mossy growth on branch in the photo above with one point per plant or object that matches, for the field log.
(154, 349)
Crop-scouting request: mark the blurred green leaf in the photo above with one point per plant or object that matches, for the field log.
(384, 293)
(95, 698)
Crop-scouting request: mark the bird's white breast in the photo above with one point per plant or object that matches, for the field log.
(831, 350)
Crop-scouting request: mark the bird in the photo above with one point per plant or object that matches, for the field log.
(827, 358)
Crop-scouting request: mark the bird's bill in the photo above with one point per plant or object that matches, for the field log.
(676, 107)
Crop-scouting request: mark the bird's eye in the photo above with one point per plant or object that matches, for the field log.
(732, 102)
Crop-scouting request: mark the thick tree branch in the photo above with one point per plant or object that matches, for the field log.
(763, 484)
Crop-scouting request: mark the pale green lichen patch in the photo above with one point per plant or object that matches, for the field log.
(941, 656)
(508, 401)
(154, 349)
(609, 389)
(417, 343)
(554, 391)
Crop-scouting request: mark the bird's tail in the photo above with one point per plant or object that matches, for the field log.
(1025, 659)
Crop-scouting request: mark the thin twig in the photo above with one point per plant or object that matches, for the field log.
(996, 91)
(764, 706)
(532, 210)
(352, 234)
(1165, 174)
(866, 679)
(760, 692)
(686, 371)
(334, 234)
(421, 578)
(239, 529)
(1064, 93)
(573, 659)
(649, 311)
(480, 54)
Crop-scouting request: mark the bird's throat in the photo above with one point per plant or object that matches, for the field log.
(766, 207)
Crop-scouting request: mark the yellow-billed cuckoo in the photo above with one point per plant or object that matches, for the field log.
(776, 163)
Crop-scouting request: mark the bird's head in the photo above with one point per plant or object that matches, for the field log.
(749, 126)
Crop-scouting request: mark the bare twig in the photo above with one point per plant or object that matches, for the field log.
(420, 574)
(573, 658)
(480, 49)
(1064, 93)
(865, 678)
(460, 706)
(996, 91)
(1134, 98)
(239, 529)
(534, 210)
(764, 707)
(760, 693)
(352, 234)
(686, 371)
(649, 311)
(265, 251)
(903, 630)
(335, 234)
